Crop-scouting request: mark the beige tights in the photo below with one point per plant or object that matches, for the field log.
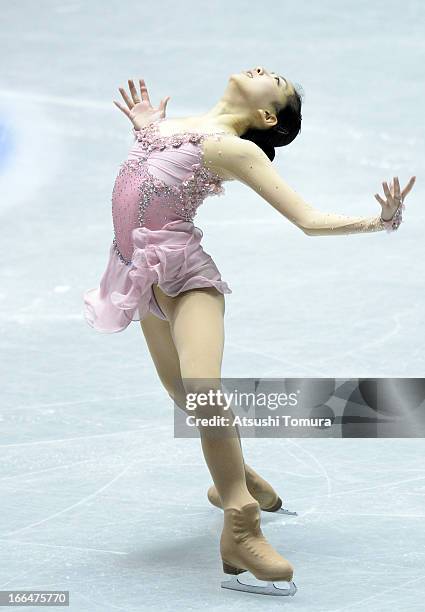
(197, 328)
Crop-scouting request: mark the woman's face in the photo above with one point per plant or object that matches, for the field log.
(260, 88)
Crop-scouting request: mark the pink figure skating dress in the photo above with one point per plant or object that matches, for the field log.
(155, 198)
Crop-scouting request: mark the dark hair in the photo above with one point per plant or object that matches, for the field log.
(287, 128)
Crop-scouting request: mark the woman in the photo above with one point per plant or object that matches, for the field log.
(159, 274)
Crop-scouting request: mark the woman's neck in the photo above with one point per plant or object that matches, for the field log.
(224, 116)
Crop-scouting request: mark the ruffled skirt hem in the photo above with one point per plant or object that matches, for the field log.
(171, 257)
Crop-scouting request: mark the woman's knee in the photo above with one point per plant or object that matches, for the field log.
(202, 384)
(203, 397)
(175, 389)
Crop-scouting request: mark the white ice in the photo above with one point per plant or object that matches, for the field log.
(97, 497)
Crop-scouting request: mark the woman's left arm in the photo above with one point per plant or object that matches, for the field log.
(246, 162)
(138, 107)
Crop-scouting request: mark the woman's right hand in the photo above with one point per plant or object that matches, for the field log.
(394, 197)
(139, 109)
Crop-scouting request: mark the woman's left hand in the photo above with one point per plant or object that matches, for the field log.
(394, 197)
(139, 108)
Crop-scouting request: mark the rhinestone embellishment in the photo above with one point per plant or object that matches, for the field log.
(184, 198)
(393, 224)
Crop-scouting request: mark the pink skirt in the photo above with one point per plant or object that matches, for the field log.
(171, 257)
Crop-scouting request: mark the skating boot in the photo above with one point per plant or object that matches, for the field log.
(244, 548)
(261, 490)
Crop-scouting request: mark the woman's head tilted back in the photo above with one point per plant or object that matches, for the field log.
(272, 104)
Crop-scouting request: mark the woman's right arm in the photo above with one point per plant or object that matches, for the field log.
(246, 162)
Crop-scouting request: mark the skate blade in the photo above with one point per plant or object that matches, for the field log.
(235, 583)
(286, 511)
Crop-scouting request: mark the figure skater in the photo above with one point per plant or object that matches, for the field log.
(159, 274)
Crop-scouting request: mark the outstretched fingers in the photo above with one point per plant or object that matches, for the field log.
(380, 200)
(393, 193)
(126, 98)
(163, 103)
(386, 190)
(144, 91)
(122, 108)
(408, 187)
(133, 91)
(396, 188)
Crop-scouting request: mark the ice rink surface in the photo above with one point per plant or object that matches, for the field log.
(97, 496)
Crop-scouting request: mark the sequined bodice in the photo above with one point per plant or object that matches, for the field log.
(163, 179)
